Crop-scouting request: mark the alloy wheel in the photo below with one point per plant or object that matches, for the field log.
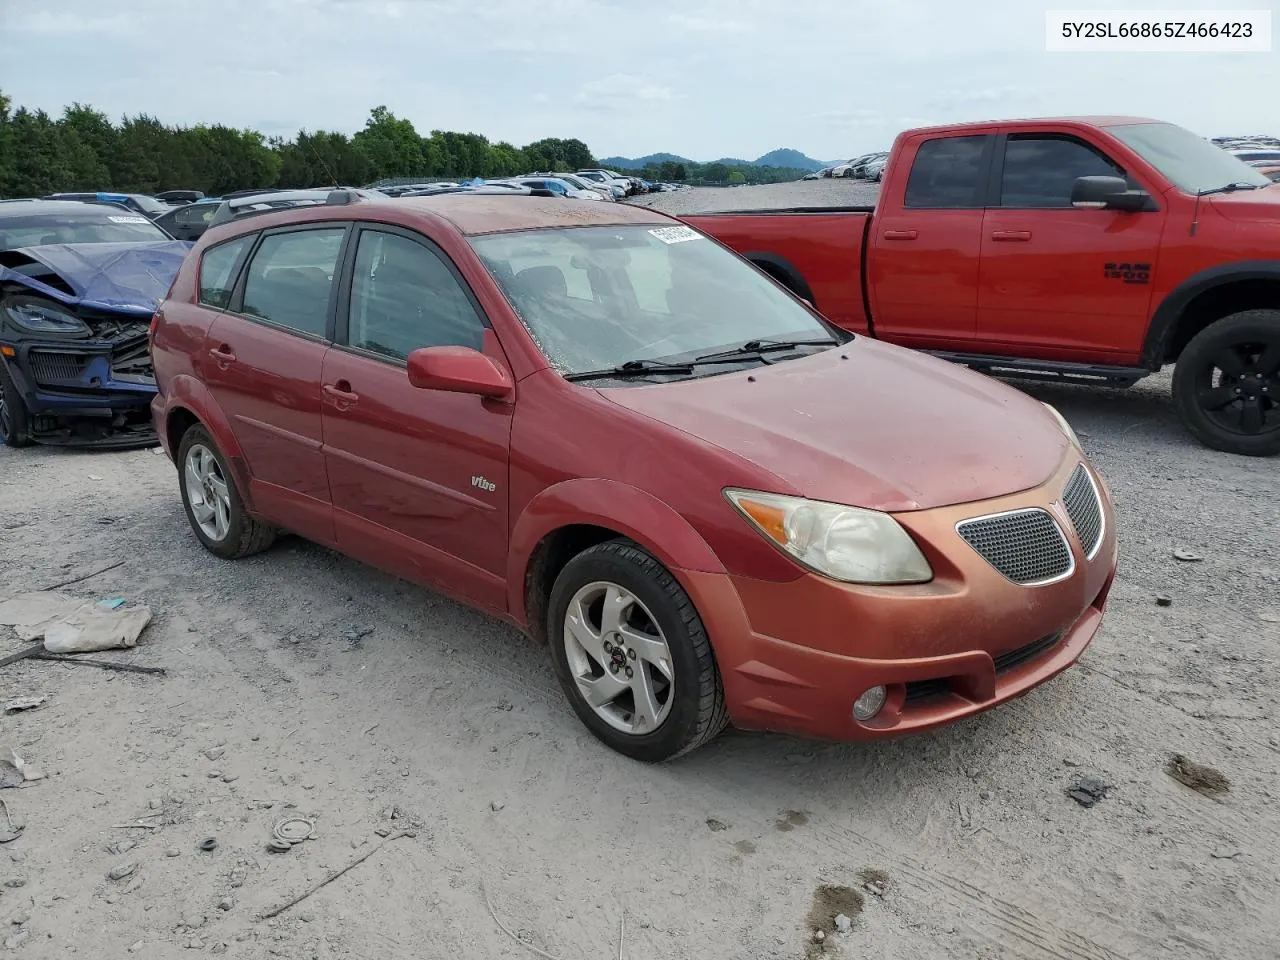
(207, 492)
(1239, 388)
(619, 658)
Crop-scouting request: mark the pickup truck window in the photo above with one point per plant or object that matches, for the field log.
(1039, 170)
(948, 173)
(1191, 163)
(596, 297)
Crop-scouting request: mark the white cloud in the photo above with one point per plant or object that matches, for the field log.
(709, 24)
(620, 91)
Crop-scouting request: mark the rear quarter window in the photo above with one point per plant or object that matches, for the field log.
(218, 271)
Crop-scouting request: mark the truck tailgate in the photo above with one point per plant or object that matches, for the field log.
(817, 254)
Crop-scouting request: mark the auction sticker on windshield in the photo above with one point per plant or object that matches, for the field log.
(676, 234)
(128, 219)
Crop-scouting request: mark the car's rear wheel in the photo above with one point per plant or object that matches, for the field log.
(632, 654)
(213, 503)
(15, 424)
(1226, 384)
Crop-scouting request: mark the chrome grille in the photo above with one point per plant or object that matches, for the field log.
(1080, 498)
(54, 368)
(1026, 546)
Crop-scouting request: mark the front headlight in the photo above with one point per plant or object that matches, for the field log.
(1062, 422)
(844, 543)
(34, 316)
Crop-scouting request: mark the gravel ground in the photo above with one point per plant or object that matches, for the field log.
(959, 843)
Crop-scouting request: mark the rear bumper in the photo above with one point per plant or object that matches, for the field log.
(795, 656)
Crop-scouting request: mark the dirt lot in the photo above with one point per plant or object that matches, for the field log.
(959, 844)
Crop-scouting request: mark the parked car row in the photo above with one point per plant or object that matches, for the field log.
(1260, 152)
(869, 166)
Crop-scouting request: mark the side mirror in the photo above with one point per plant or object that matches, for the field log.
(458, 370)
(1107, 193)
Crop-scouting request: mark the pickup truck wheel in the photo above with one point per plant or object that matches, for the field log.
(212, 502)
(632, 655)
(1226, 384)
(15, 428)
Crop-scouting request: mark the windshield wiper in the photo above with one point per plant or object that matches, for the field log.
(633, 368)
(756, 347)
(1228, 188)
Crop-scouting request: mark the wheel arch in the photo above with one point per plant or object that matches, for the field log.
(189, 403)
(1205, 297)
(571, 516)
(783, 271)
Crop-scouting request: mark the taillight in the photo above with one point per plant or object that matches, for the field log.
(151, 330)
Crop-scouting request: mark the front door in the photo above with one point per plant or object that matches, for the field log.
(925, 246)
(419, 477)
(262, 364)
(1056, 281)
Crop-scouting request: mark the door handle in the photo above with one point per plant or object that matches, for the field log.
(223, 355)
(900, 234)
(341, 393)
(1011, 235)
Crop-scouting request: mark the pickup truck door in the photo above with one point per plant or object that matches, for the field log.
(926, 240)
(1059, 282)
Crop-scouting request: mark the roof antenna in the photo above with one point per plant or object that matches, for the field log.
(321, 159)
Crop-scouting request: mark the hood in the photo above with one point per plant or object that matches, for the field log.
(118, 277)
(1249, 206)
(886, 429)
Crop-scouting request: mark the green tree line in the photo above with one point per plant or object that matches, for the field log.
(717, 173)
(84, 150)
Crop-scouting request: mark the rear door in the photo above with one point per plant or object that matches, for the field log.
(419, 477)
(262, 364)
(1059, 282)
(925, 244)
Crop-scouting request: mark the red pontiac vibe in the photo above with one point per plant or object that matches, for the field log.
(605, 427)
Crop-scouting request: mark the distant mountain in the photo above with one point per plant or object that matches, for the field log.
(792, 159)
(630, 163)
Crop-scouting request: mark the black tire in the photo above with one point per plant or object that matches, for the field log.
(15, 424)
(1226, 384)
(697, 711)
(245, 536)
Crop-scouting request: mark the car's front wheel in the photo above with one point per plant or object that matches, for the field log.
(1226, 384)
(15, 429)
(632, 654)
(213, 503)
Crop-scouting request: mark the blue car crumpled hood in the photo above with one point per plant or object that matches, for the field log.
(118, 277)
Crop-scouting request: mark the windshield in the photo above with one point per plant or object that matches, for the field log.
(1191, 163)
(150, 205)
(100, 227)
(594, 298)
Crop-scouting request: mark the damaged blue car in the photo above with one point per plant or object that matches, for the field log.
(79, 283)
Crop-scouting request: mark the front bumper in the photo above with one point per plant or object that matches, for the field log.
(794, 656)
(84, 393)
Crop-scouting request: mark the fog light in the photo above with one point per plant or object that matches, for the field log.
(869, 704)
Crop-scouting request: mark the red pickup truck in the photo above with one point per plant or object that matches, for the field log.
(1086, 249)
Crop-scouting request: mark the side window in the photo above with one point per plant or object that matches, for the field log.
(403, 297)
(290, 278)
(1039, 171)
(948, 174)
(218, 271)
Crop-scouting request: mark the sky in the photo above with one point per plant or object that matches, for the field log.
(700, 78)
